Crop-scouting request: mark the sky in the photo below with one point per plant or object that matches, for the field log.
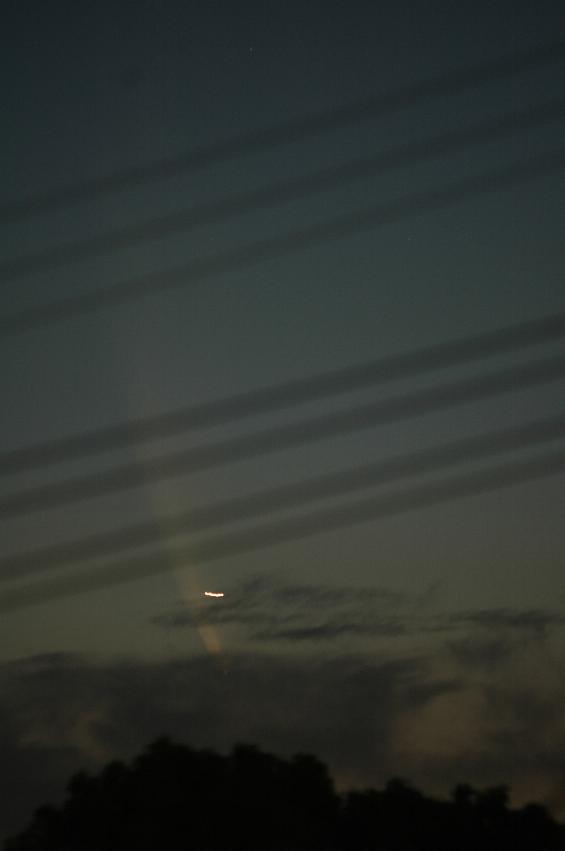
(428, 643)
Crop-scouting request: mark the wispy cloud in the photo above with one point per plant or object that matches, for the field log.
(478, 652)
(271, 611)
(268, 610)
(536, 621)
(317, 632)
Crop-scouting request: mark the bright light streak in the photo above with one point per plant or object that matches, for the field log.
(214, 594)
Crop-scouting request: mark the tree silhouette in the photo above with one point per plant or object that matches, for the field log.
(174, 797)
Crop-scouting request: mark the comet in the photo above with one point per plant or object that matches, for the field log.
(214, 594)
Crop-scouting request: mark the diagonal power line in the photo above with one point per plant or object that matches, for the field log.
(240, 542)
(288, 394)
(203, 269)
(275, 439)
(373, 107)
(282, 191)
(266, 501)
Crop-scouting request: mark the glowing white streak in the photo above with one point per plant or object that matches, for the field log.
(213, 594)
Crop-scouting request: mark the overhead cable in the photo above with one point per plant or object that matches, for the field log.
(291, 496)
(282, 191)
(373, 107)
(233, 260)
(276, 533)
(398, 407)
(518, 336)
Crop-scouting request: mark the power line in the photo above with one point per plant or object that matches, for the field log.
(252, 142)
(288, 394)
(290, 496)
(279, 532)
(242, 257)
(282, 191)
(278, 438)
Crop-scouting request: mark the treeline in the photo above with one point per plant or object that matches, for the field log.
(173, 797)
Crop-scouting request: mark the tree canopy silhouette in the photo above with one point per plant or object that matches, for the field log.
(174, 797)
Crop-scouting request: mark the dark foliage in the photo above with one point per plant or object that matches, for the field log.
(174, 797)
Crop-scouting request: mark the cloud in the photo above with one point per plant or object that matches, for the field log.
(369, 717)
(331, 630)
(271, 611)
(66, 713)
(489, 733)
(268, 610)
(488, 710)
(534, 621)
(482, 653)
(493, 638)
(320, 632)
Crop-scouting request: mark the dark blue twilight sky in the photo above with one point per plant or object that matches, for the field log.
(429, 644)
